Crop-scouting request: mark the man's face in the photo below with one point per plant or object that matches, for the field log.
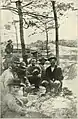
(15, 65)
(33, 62)
(52, 62)
(15, 89)
(43, 62)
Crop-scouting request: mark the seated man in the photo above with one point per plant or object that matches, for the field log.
(10, 73)
(54, 76)
(43, 67)
(21, 71)
(33, 73)
(12, 103)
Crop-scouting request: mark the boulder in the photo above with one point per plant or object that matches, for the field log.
(59, 107)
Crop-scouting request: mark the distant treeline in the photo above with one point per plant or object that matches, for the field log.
(69, 43)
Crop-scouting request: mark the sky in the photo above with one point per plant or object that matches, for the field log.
(67, 29)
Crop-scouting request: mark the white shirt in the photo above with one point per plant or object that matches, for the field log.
(52, 69)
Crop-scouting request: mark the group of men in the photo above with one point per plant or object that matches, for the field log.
(35, 74)
(19, 75)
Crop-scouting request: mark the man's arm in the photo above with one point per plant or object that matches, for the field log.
(48, 77)
(13, 106)
(59, 74)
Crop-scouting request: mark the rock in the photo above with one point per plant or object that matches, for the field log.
(72, 71)
(59, 107)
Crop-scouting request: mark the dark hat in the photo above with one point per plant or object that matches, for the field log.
(15, 82)
(23, 66)
(52, 57)
(43, 59)
(9, 41)
(34, 52)
(35, 72)
(15, 59)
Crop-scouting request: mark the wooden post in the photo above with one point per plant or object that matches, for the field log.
(56, 31)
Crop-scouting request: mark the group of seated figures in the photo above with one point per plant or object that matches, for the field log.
(34, 74)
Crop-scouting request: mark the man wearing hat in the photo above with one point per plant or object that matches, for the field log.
(10, 73)
(22, 73)
(54, 75)
(9, 47)
(43, 68)
(35, 55)
(13, 104)
(33, 73)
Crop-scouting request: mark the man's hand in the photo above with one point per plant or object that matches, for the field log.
(23, 112)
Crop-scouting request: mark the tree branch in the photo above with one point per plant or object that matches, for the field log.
(36, 14)
(9, 8)
(27, 4)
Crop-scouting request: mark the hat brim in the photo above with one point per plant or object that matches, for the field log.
(52, 58)
(9, 41)
(17, 62)
(14, 84)
(22, 84)
(43, 59)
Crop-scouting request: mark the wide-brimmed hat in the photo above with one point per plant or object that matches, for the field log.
(15, 59)
(52, 57)
(16, 82)
(42, 59)
(33, 52)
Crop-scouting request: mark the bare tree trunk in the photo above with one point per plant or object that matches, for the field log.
(0, 49)
(0, 57)
(46, 39)
(14, 23)
(16, 35)
(56, 31)
(18, 4)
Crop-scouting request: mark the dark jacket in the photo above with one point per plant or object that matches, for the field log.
(55, 75)
(9, 48)
(31, 70)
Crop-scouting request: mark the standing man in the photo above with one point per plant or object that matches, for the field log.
(9, 47)
(54, 75)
